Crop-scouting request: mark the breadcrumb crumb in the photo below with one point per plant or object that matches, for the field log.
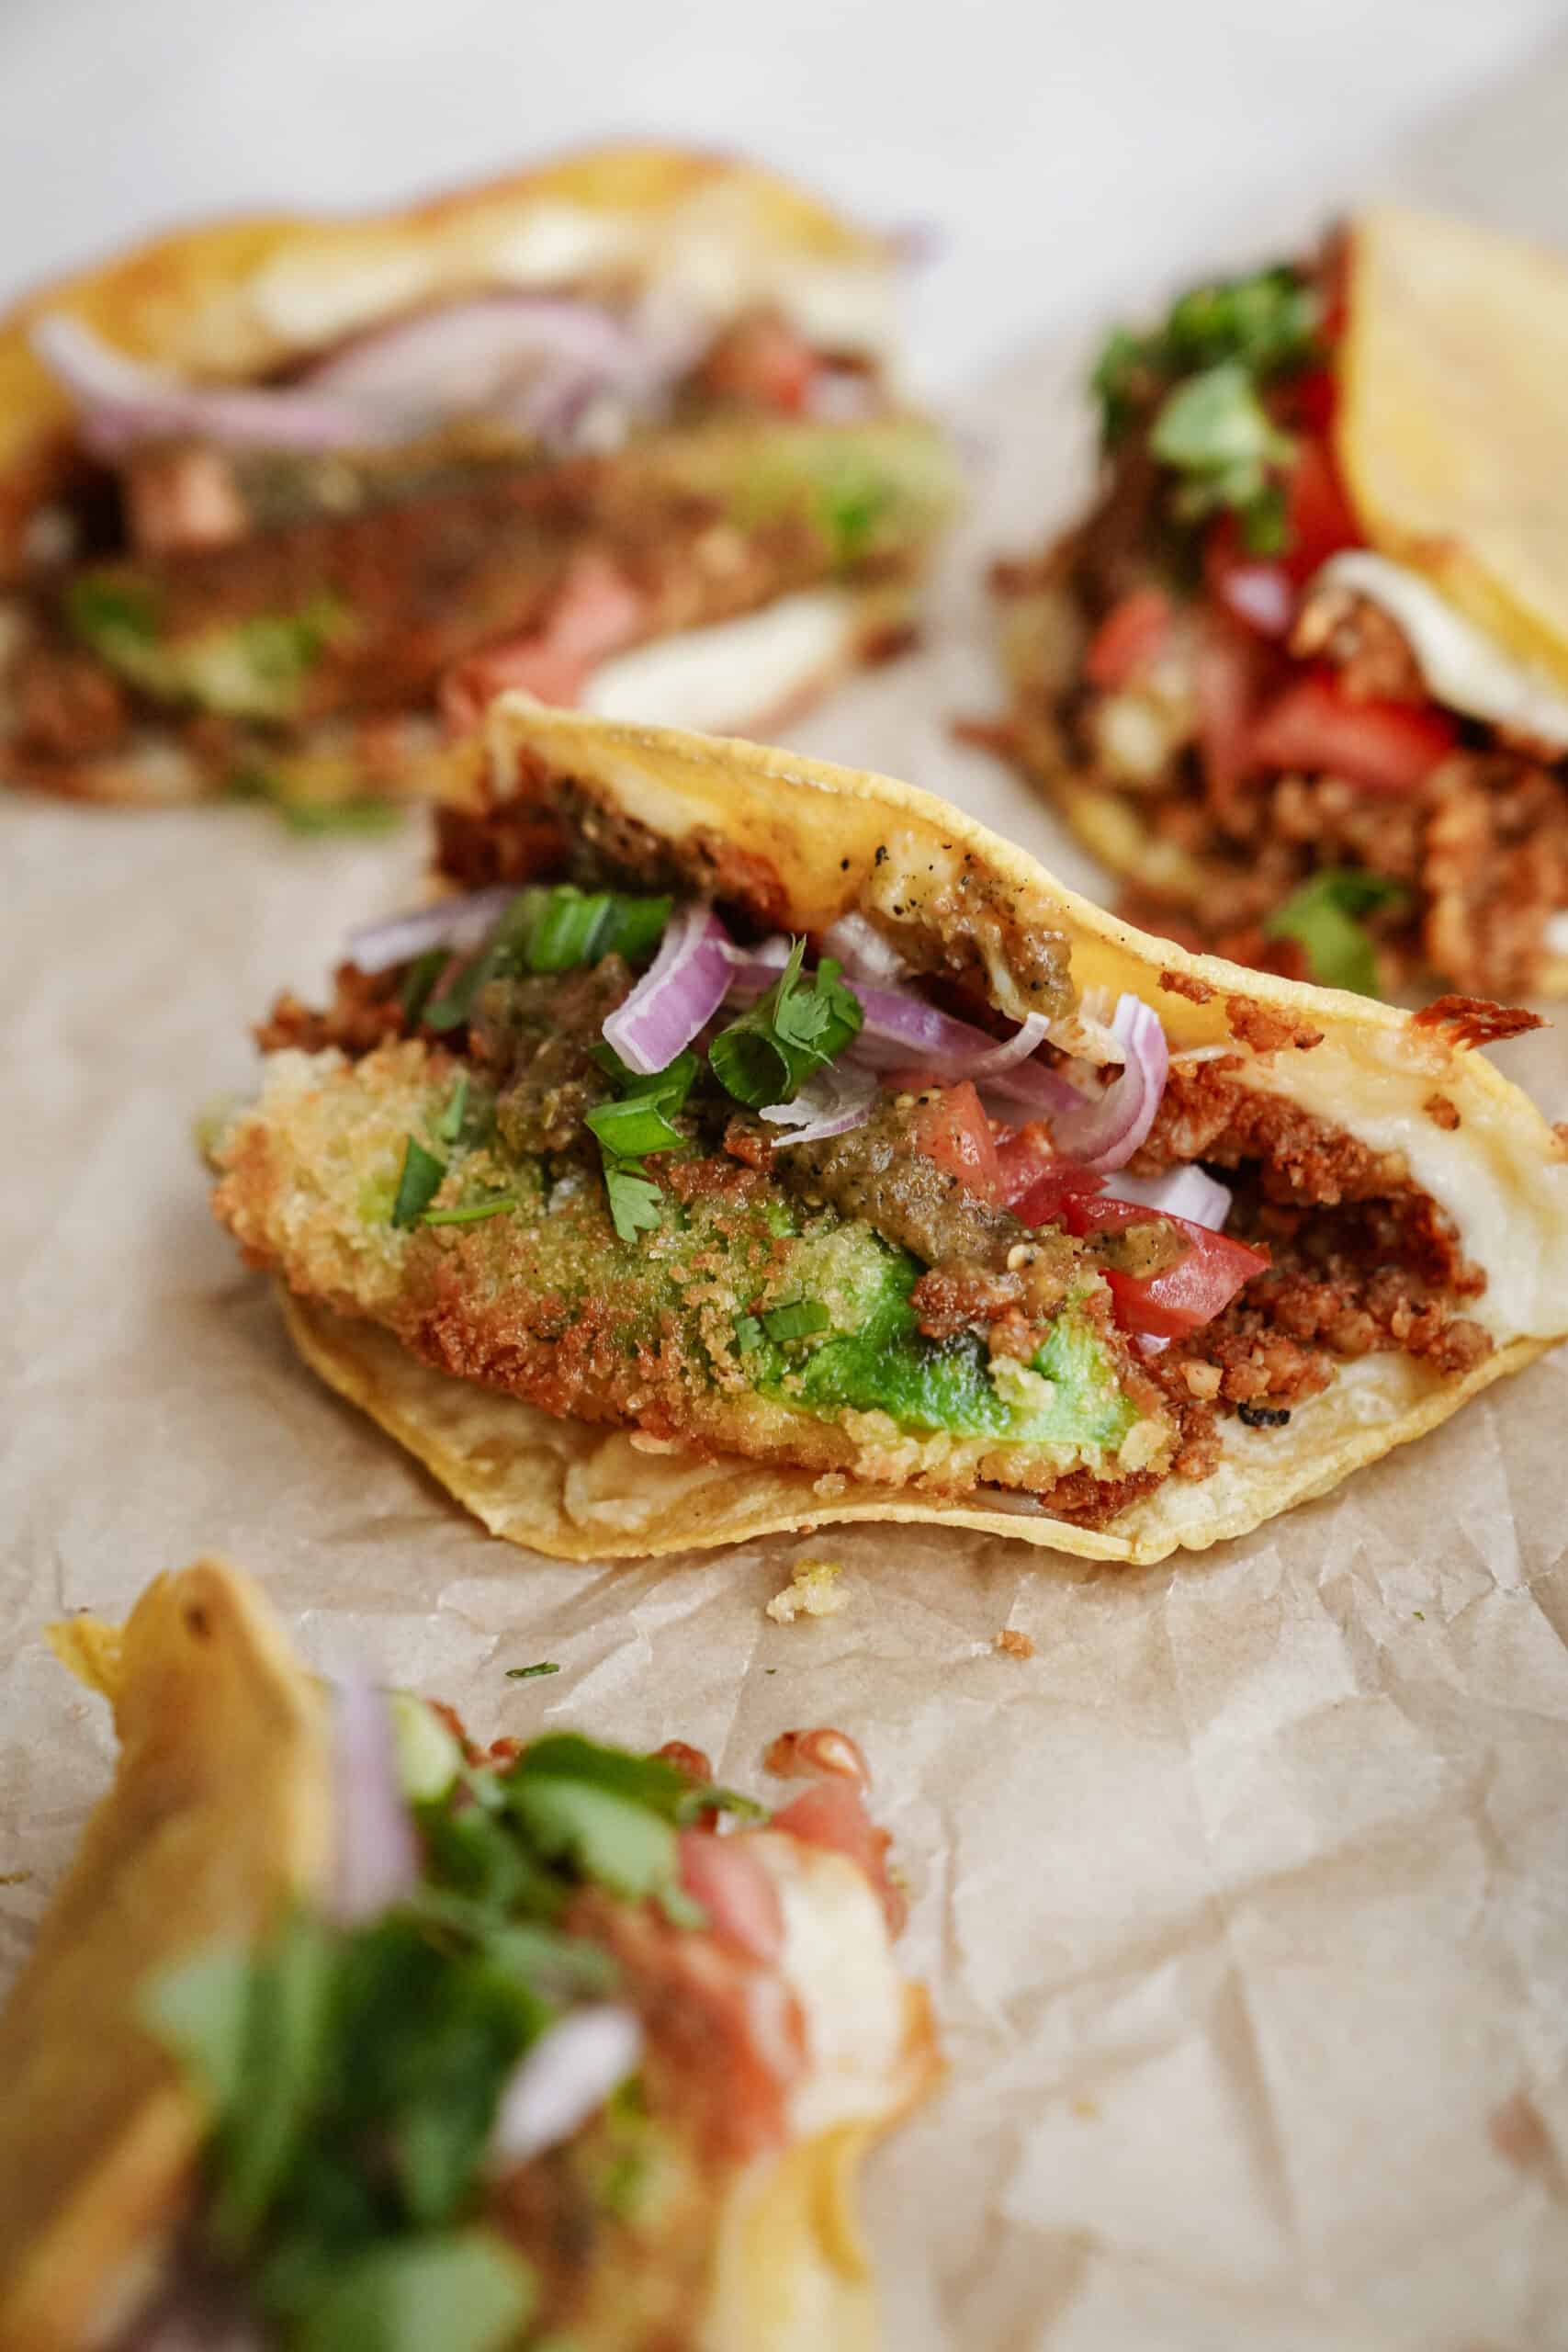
(1014, 1644)
(813, 1591)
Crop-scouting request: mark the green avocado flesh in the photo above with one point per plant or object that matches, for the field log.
(722, 1283)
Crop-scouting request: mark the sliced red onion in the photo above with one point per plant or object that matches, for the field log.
(681, 989)
(1105, 1131)
(1150, 1343)
(122, 402)
(1188, 1193)
(458, 923)
(377, 1853)
(1024, 1041)
(831, 1102)
(537, 360)
(565, 2078)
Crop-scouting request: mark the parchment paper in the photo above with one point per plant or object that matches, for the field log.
(1244, 1900)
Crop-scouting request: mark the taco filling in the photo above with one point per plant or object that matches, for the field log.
(594, 1135)
(294, 583)
(1311, 703)
(555, 2040)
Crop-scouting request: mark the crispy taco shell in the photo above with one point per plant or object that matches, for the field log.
(220, 1812)
(233, 299)
(814, 843)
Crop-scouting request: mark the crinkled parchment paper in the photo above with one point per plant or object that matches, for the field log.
(1244, 1899)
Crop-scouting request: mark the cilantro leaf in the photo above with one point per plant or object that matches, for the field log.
(610, 1838)
(798, 1026)
(1268, 322)
(1215, 432)
(465, 2289)
(637, 1205)
(1321, 917)
(528, 1673)
(472, 1212)
(801, 1319)
(449, 1126)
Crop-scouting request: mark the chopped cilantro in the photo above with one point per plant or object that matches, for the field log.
(749, 1332)
(799, 1320)
(799, 1025)
(472, 1212)
(465, 2289)
(419, 981)
(100, 609)
(637, 1205)
(1267, 323)
(449, 1126)
(366, 814)
(282, 649)
(1215, 432)
(1321, 917)
(418, 1184)
(528, 1673)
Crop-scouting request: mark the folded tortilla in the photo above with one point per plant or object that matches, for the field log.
(222, 1815)
(245, 299)
(812, 844)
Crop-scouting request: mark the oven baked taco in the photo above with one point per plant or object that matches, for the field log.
(339, 2032)
(283, 498)
(758, 1144)
(1300, 677)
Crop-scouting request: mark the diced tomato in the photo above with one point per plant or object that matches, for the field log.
(1317, 727)
(596, 614)
(1312, 399)
(1194, 1290)
(832, 1813)
(1318, 518)
(1262, 592)
(954, 1131)
(1034, 1179)
(764, 361)
(1128, 638)
(726, 1877)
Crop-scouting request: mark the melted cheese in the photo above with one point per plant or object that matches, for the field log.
(731, 676)
(1461, 666)
(838, 1962)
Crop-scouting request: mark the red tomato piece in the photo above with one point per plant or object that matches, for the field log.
(1318, 517)
(765, 361)
(1034, 1179)
(1129, 638)
(1231, 678)
(1192, 1292)
(954, 1132)
(1317, 727)
(832, 1813)
(597, 612)
(741, 1901)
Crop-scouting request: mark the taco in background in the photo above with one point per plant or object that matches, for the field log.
(1301, 676)
(339, 2032)
(755, 1143)
(282, 499)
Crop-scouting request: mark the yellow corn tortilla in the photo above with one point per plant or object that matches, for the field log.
(1453, 423)
(832, 840)
(220, 1814)
(231, 300)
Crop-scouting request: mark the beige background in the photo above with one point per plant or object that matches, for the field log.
(1244, 1901)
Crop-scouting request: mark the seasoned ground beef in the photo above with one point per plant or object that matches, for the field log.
(365, 1012)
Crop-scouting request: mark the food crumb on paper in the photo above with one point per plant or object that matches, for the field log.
(1014, 1644)
(813, 1591)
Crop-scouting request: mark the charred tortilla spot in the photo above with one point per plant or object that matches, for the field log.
(1475, 1021)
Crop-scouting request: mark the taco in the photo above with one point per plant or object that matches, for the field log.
(754, 1144)
(1301, 676)
(340, 2033)
(282, 499)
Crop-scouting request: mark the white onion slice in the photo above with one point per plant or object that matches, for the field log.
(679, 992)
(122, 402)
(1023, 1042)
(831, 1102)
(565, 2078)
(460, 923)
(1106, 1131)
(862, 950)
(1191, 1192)
(378, 1853)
